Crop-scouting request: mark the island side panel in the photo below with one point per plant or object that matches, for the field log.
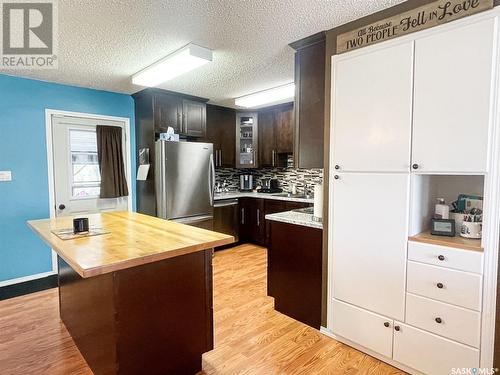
(164, 315)
(87, 311)
(294, 271)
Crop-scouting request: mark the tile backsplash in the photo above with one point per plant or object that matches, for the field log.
(286, 176)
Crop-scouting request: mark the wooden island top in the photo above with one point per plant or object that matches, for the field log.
(133, 239)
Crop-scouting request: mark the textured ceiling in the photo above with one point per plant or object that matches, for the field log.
(103, 42)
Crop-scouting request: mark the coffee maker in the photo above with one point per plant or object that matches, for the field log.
(246, 182)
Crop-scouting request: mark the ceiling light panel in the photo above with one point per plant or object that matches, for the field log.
(274, 95)
(182, 61)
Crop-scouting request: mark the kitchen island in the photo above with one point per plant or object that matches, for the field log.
(137, 299)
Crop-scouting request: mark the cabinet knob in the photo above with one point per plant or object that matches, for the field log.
(62, 206)
(415, 166)
(441, 257)
(439, 320)
(336, 177)
(337, 167)
(397, 328)
(440, 285)
(386, 324)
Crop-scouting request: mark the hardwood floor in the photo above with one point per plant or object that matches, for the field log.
(250, 337)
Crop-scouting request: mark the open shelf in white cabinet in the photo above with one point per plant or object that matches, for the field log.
(425, 189)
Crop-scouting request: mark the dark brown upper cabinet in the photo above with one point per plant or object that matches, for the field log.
(222, 133)
(284, 130)
(167, 112)
(194, 118)
(309, 101)
(185, 114)
(275, 135)
(267, 139)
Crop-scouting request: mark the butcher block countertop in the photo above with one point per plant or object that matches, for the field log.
(133, 239)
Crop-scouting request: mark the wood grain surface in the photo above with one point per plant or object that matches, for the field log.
(250, 336)
(457, 241)
(134, 239)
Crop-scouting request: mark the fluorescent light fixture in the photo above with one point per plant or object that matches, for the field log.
(274, 95)
(181, 61)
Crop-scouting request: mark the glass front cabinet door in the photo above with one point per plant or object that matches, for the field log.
(246, 140)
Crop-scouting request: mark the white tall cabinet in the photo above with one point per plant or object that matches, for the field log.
(373, 96)
(413, 118)
(370, 233)
(452, 104)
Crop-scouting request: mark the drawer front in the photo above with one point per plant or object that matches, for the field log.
(431, 354)
(464, 260)
(453, 322)
(363, 327)
(446, 285)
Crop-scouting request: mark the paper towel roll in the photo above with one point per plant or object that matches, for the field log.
(318, 201)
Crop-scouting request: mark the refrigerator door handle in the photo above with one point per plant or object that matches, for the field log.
(211, 179)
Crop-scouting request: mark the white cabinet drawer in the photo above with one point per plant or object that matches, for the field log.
(365, 328)
(443, 284)
(459, 259)
(431, 354)
(454, 322)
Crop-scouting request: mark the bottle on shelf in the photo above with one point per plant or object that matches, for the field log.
(441, 210)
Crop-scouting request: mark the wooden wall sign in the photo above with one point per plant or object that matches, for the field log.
(426, 16)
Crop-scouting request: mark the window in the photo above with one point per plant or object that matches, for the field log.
(85, 175)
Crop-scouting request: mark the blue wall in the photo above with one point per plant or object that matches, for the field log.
(23, 151)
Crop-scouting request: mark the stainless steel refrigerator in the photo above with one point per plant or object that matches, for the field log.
(185, 179)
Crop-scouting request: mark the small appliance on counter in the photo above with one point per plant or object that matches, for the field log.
(246, 182)
(270, 186)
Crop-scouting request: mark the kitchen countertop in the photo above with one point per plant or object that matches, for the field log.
(238, 194)
(297, 218)
(133, 239)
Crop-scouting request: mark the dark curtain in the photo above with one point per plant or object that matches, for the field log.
(111, 163)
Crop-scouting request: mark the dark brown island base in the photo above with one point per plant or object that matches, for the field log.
(137, 300)
(295, 270)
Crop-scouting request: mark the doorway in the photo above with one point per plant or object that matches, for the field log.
(74, 177)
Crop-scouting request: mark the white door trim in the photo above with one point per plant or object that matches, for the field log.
(50, 162)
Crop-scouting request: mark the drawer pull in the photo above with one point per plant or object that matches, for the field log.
(440, 285)
(438, 320)
(441, 257)
(386, 324)
(397, 328)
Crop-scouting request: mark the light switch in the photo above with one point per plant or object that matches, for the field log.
(5, 176)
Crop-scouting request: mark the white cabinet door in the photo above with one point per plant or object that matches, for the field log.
(372, 110)
(369, 238)
(453, 80)
(370, 330)
(431, 354)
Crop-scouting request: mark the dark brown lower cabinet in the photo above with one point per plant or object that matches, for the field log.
(151, 319)
(253, 225)
(295, 270)
(272, 207)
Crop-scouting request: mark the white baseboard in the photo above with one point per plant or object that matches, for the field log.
(26, 278)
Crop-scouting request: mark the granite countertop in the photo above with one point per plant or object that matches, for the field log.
(297, 218)
(238, 194)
